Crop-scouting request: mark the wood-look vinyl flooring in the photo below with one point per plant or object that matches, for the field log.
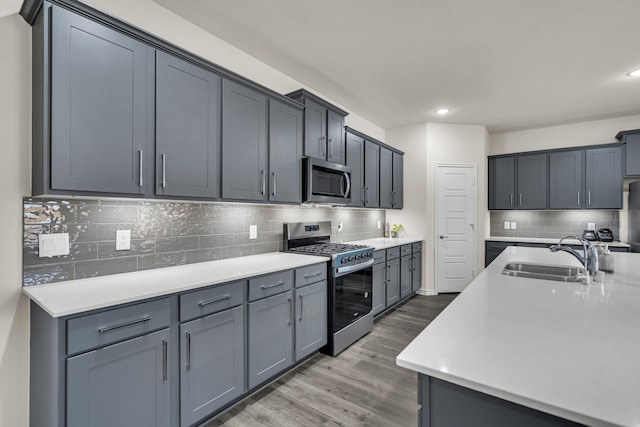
(362, 386)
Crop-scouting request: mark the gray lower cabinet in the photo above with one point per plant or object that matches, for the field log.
(244, 143)
(604, 178)
(502, 183)
(406, 276)
(416, 268)
(386, 178)
(566, 173)
(393, 281)
(311, 319)
(379, 282)
(270, 337)
(212, 362)
(187, 129)
(285, 152)
(397, 188)
(124, 384)
(532, 174)
(101, 108)
(371, 174)
(355, 160)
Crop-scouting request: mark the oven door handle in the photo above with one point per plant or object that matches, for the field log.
(341, 271)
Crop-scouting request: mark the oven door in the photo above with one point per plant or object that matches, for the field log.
(351, 296)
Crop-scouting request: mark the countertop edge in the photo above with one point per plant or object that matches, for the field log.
(616, 244)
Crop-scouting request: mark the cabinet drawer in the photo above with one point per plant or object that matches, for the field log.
(417, 247)
(405, 250)
(393, 253)
(379, 256)
(211, 300)
(100, 329)
(311, 274)
(498, 246)
(271, 284)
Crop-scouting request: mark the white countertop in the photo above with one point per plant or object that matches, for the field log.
(545, 240)
(386, 242)
(76, 296)
(568, 349)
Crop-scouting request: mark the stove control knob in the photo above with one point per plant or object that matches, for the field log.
(351, 258)
(370, 254)
(343, 261)
(357, 256)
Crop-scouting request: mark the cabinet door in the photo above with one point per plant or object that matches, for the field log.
(315, 130)
(393, 281)
(566, 178)
(502, 183)
(632, 154)
(244, 143)
(386, 177)
(378, 299)
(125, 384)
(397, 197)
(101, 107)
(187, 129)
(335, 138)
(604, 178)
(355, 159)
(312, 326)
(285, 153)
(405, 276)
(371, 174)
(270, 337)
(211, 363)
(532, 181)
(416, 269)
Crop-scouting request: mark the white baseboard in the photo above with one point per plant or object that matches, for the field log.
(428, 292)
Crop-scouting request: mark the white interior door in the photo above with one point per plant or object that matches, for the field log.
(455, 227)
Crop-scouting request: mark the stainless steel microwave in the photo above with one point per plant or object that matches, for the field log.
(325, 182)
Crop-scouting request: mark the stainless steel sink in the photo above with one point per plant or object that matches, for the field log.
(545, 272)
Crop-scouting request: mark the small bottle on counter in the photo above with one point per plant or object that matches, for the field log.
(386, 229)
(605, 259)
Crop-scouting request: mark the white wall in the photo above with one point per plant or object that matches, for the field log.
(425, 146)
(15, 171)
(154, 19)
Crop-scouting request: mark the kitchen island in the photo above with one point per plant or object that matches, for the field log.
(527, 348)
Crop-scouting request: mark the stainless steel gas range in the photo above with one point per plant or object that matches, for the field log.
(350, 280)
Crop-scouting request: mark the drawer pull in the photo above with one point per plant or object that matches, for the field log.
(280, 283)
(165, 361)
(124, 325)
(308, 276)
(188, 351)
(215, 300)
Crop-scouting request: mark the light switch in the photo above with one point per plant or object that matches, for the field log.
(513, 225)
(253, 232)
(56, 244)
(591, 226)
(507, 225)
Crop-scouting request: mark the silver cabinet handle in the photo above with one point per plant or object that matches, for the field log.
(308, 276)
(348, 189)
(280, 283)
(330, 148)
(320, 144)
(393, 198)
(140, 167)
(264, 182)
(124, 325)
(362, 195)
(578, 199)
(215, 300)
(163, 157)
(188, 351)
(290, 310)
(520, 199)
(300, 316)
(164, 360)
(511, 200)
(366, 196)
(273, 174)
(589, 197)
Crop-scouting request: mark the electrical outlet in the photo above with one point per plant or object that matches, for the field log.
(513, 225)
(378, 225)
(123, 240)
(253, 232)
(591, 226)
(340, 226)
(507, 225)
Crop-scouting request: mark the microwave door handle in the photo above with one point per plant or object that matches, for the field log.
(346, 193)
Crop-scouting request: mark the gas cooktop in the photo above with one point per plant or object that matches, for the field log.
(328, 248)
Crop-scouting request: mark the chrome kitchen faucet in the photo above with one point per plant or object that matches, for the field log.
(590, 258)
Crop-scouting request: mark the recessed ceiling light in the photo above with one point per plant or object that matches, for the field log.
(634, 73)
(443, 110)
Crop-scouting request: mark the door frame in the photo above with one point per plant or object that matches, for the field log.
(436, 238)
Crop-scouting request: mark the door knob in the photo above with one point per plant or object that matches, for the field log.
(443, 236)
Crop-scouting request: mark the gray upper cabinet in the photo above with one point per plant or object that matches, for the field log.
(285, 152)
(323, 128)
(386, 177)
(355, 159)
(101, 108)
(604, 178)
(187, 129)
(631, 141)
(244, 143)
(125, 384)
(212, 363)
(532, 172)
(502, 183)
(566, 175)
(311, 319)
(397, 196)
(371, 174)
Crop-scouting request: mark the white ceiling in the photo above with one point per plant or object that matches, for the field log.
(506, 64)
